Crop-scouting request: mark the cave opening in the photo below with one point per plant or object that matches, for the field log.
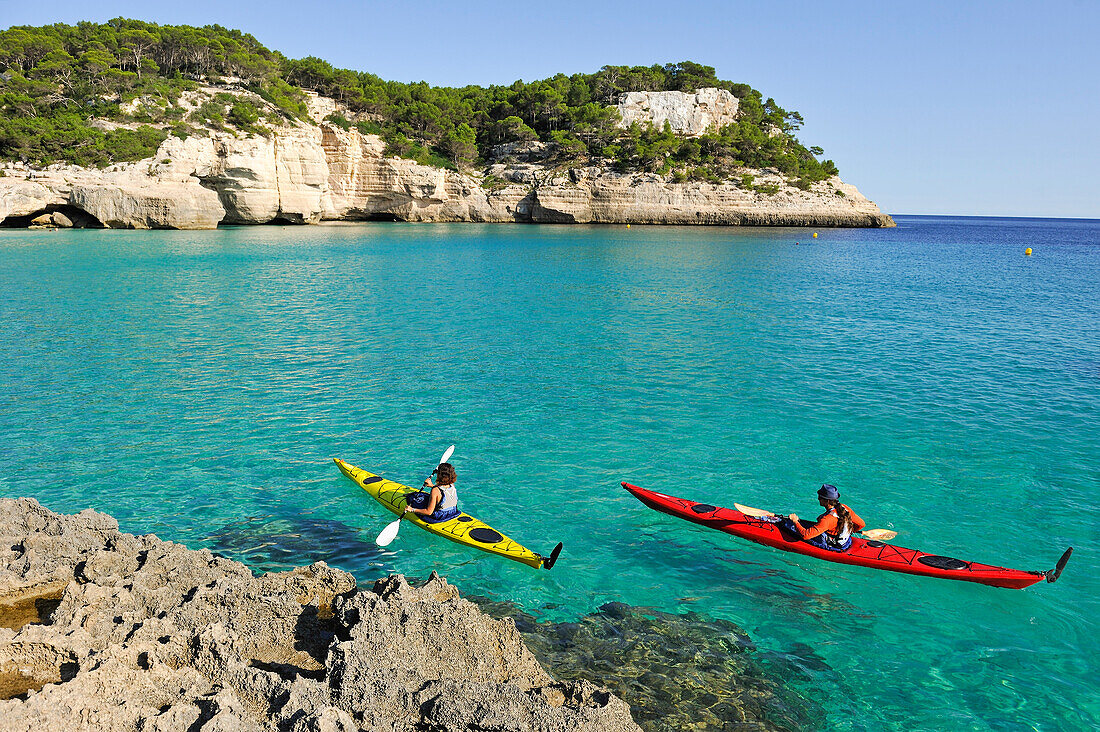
(54, 216)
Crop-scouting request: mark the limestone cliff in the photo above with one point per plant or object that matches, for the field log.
(687, 114)
(309, 172)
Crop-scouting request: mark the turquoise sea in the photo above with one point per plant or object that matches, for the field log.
(196, 385)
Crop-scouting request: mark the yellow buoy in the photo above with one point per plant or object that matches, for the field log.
(628, 226)
(815, 234)
(1027, 252)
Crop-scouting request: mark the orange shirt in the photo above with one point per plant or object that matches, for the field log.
(828, 522)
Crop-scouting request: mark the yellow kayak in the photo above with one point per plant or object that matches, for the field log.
(462, 529)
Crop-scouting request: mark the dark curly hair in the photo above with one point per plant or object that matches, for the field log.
(446, 474)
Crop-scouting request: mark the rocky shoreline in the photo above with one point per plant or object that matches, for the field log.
(308, 172)
(102, 630)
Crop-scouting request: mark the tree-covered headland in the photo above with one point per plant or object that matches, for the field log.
(95, 94)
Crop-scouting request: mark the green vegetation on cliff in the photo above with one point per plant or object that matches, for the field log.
(62, 87)
(57, 79)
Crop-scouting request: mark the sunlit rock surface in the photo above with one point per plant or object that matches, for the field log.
(308, 171)
(686, 114)
(101, 630)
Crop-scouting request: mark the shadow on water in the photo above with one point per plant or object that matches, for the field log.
(677, 672)
(274, 543)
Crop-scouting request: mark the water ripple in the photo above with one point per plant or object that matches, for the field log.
(197, 385)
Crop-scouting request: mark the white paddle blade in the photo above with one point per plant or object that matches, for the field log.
(447, 455)
(388, 534)
(750, 511)
(879, 534)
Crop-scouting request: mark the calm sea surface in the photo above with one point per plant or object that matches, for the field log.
(197, 385)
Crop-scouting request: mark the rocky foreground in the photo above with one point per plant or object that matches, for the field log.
(101, 630)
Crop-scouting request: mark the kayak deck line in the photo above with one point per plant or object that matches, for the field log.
(862, 552)
(462, 529)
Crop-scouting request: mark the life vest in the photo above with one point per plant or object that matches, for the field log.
(445, 510)
(839, 541)
(450, 498)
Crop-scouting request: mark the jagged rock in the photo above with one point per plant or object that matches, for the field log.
(418, 643)
(452, 705)
(46, 547)
(329, 719)
(150, 635)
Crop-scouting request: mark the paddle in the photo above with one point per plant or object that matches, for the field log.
(390, 532)
(875, 534)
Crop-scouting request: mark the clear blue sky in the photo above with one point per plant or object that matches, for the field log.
(979, 108)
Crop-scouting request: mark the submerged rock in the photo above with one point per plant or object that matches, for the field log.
(679, 672)
(134, 633)
(279, 541)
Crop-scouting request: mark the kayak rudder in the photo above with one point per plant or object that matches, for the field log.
(1052, 575)
(550, 561)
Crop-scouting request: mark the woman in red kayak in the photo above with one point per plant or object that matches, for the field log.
(834, 528)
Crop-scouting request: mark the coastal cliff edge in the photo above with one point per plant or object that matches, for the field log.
(308, 172)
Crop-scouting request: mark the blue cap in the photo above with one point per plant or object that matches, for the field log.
(828, 492)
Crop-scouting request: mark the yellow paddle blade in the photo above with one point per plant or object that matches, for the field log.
(750, 511)
(874, 534)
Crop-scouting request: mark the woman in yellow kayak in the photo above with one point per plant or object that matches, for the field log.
(834, 528)
(442, 503)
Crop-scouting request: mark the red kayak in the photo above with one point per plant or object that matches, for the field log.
(863, 552)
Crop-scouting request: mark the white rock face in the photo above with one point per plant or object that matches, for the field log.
(364, 184)
(144, 195)
(687, 114)
(157, 205)
(320, 107)
(593, 195)
(195, 183)
(264, 179)
(306, 173)
(24, 199)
